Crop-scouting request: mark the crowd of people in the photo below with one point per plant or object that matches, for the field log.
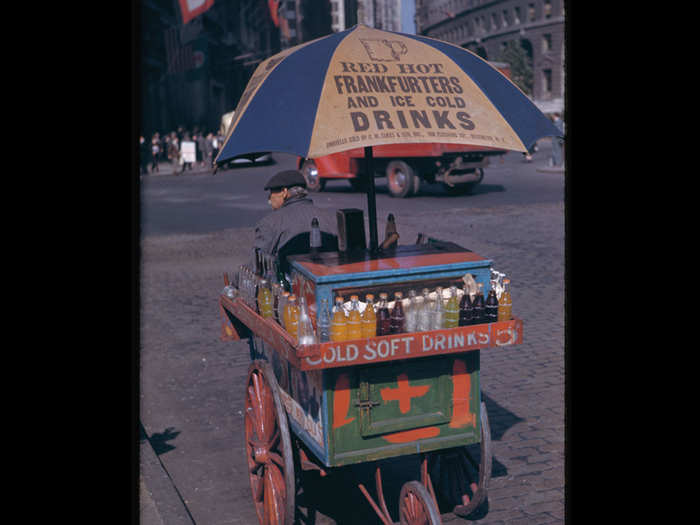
(167, 148)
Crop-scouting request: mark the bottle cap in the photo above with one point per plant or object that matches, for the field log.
(369, 297)
(398, 294)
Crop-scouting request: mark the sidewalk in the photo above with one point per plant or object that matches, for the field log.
(155, 485)
(166, 168)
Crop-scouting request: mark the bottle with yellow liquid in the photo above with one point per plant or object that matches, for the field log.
(505, 303)
(265, 304)
(339, 327)
(452, 309)
(291, 316)
(369, 318)
(354, 320)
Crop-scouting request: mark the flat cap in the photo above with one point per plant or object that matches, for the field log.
(286, 179)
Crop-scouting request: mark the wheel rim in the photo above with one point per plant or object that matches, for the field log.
(268, 462)
(311, 175)
(416, 507)
(398, 180)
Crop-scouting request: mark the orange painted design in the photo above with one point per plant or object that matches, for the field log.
(391, 263)
(341, 401)
(411, 435)
(403, 393)
(461, 382)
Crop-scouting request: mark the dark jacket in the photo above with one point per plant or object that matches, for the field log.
(290, 220)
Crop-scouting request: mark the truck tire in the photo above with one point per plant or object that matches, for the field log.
(400, 178)
(313, 181)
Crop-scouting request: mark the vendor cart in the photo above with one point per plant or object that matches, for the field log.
(340, 403)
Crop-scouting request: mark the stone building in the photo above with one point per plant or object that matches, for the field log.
(485, 27)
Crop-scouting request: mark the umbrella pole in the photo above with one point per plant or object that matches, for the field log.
(371, 199)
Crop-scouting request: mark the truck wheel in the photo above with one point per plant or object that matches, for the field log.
(313, 180)
(400, 178)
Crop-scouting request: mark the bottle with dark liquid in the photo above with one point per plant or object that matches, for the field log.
(466, 309)
(397, 324)
(491, 307)
(383, 315)
(479, 314)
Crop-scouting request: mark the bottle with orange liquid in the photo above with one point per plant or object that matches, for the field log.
(369, 318)
(265, 299)
(354, 320)
(505, 303)
(291, 316)
(339, 327)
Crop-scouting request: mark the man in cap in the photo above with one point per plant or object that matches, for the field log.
(292, 213)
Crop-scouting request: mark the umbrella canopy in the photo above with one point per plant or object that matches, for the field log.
(366, 87)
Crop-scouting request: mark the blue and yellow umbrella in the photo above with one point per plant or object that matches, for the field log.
(365, 87)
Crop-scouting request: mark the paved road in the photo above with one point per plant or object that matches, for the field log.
(193, 468)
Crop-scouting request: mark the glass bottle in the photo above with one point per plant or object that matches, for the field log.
(452, 309)
(275, 300)
(339, 328)
(437, 313)
(305, 330)
(281, 305)
(354, 319)
(505, 303)
(491, 307)
(423, 312)
(281, 278)
(265, 299)
(410, 311)
(383, 315)
(324, 322)
(291, 318)
(314, 238)
(466, 309)
(397, 322)
(369, 318)
(479, 314)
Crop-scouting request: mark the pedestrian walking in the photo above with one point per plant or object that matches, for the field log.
(201, 142)
(557, 143)
(144, 155)
(155, 152)
(208, 149)
(173, 150)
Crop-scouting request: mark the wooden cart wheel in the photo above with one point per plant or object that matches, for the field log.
(458, 479)
(268, 448)
(416, 506)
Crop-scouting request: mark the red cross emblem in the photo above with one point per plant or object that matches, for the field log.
(403, 393)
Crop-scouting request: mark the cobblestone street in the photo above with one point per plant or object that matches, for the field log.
(192, 383)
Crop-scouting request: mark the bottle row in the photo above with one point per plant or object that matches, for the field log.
(441, 308)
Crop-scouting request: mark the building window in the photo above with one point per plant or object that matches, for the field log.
(547, 8)
(547, 84)
(494, 21)
(546, 43)
(504, 18)
(517, 16)
(531, 12)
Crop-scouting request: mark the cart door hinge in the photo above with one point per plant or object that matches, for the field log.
(365, 403)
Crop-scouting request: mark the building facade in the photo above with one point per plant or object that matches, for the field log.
(486, 27)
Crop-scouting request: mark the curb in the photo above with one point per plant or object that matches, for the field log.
(156, 486)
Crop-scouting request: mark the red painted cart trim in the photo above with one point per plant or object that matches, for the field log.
(376, 349)
(270, 332)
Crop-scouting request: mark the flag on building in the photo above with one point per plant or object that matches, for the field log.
(193, 8)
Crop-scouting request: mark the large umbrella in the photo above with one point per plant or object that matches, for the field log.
(364, 87)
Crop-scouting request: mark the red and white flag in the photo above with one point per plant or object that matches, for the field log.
(193, 8)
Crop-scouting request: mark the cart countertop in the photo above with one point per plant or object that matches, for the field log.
(410, 258)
